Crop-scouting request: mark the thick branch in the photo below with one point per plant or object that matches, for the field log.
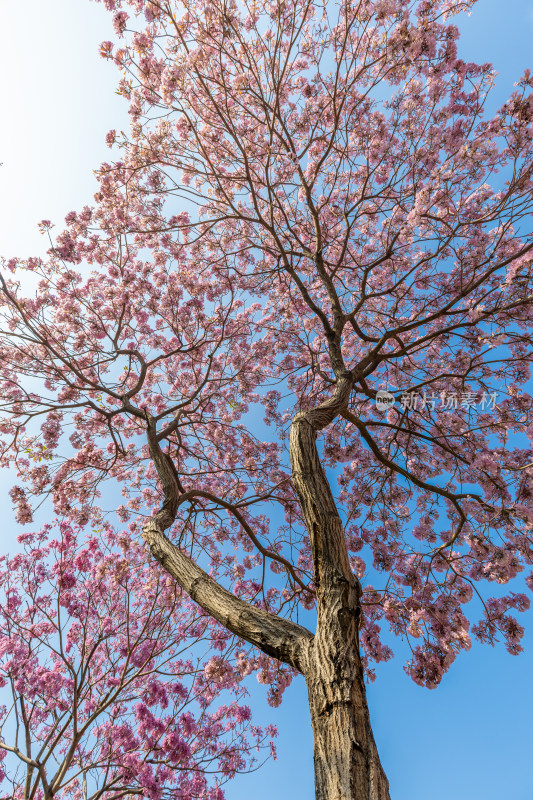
(275, 636)
(320, 511)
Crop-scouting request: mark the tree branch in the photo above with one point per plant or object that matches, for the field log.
(275, 636)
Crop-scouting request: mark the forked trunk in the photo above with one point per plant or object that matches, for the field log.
(347, 765)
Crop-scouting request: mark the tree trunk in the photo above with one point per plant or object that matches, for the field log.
(347, 765)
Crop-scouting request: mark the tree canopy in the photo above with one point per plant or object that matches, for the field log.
(295, 329)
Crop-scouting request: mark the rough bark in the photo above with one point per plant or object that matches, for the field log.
(347, 765)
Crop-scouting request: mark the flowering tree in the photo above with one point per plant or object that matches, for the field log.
(109, 699)
(305, 219)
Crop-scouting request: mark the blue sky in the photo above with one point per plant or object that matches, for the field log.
(471, 738)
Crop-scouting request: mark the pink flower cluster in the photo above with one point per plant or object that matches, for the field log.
(99, 649)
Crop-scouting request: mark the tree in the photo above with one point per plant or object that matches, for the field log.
(111, 697)
(306, 219)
